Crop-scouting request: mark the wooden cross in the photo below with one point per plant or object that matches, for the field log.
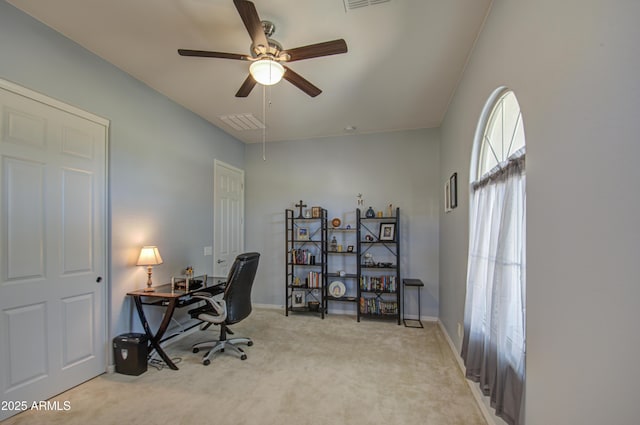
(301, 206)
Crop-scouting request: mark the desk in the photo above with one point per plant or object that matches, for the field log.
(163, 296)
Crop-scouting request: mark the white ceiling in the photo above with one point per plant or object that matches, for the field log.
(404, 61)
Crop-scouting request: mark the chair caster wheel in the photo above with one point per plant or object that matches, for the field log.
(206, 362)
(250, 343)
(243, 357)
(195, 350)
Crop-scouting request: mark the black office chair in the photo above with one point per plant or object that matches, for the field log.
(234, 306)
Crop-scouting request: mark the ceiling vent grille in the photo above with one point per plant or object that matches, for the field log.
(242, 122)
(356, 4)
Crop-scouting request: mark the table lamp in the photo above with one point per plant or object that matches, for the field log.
(149, 256)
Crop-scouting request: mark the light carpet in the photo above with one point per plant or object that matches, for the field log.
(301, 370)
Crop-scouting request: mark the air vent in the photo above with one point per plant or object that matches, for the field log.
(242, 122)
(356, 4)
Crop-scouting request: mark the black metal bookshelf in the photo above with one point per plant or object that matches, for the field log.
(306, 263)
(348, 266)
(378, 272)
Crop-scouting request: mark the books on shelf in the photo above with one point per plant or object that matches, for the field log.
(378, 283)
(302, 256)
(377, 306)
(312, 280)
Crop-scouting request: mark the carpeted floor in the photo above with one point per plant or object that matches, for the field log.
(301, 370)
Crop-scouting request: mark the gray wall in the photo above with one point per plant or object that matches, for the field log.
(400, 168)
(574, 68)
(161, 155)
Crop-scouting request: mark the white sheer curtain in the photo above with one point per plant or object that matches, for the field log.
(493, 347)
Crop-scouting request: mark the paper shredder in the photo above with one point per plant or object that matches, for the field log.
(130, 353)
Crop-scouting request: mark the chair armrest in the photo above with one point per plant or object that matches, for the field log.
(220, 307)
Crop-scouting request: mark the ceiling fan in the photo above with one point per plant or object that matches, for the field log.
(267, 55)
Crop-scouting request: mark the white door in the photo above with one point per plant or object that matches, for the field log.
(52, 246)
(228, 228)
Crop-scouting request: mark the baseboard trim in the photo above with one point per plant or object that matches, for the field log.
(269, 306)
(475, 390)
(340, 312)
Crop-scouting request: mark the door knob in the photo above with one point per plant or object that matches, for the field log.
(99, 279)
(222, 261)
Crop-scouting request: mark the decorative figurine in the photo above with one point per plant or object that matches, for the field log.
(301, 206)
(368, 259)
(334, 244)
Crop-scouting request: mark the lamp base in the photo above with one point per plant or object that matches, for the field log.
(149, 283)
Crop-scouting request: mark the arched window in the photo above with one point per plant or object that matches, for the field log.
(503, 133)
(493, 348)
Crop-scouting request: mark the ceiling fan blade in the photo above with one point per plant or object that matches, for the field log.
(207, 54)
(316, 50)
(300, 82)
(252, 22)
(246, 87)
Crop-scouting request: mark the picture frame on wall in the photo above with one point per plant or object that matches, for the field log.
(447, 196)
(387, 232)
(453, 191)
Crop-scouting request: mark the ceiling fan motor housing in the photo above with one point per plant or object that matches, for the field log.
(273, 50)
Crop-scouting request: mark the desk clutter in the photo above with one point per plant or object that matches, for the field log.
(183, 285)
(187, 283)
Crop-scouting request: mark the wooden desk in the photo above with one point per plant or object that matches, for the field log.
(163, 296)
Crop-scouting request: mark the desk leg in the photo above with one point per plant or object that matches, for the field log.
(155, 339)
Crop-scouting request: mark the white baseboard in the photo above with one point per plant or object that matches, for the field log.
(269, 306)
(345, 312)
(475, 390)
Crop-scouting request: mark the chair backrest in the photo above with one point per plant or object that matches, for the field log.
(237, 293)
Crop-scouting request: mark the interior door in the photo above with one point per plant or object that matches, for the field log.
(228, 229)
(52, 249)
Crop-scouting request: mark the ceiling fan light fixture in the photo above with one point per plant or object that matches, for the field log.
(266, 71)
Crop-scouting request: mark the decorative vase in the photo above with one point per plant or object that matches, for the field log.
(370, 213)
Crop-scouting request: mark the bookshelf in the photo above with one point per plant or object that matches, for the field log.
(378, 266)
(342, 270)
(322, 269)
(305, 262)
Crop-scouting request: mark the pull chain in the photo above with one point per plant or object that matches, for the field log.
(264, 120)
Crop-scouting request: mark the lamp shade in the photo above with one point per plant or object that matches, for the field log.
(266, 71)
(149, 256)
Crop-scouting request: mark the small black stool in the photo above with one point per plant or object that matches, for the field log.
(415, 283)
